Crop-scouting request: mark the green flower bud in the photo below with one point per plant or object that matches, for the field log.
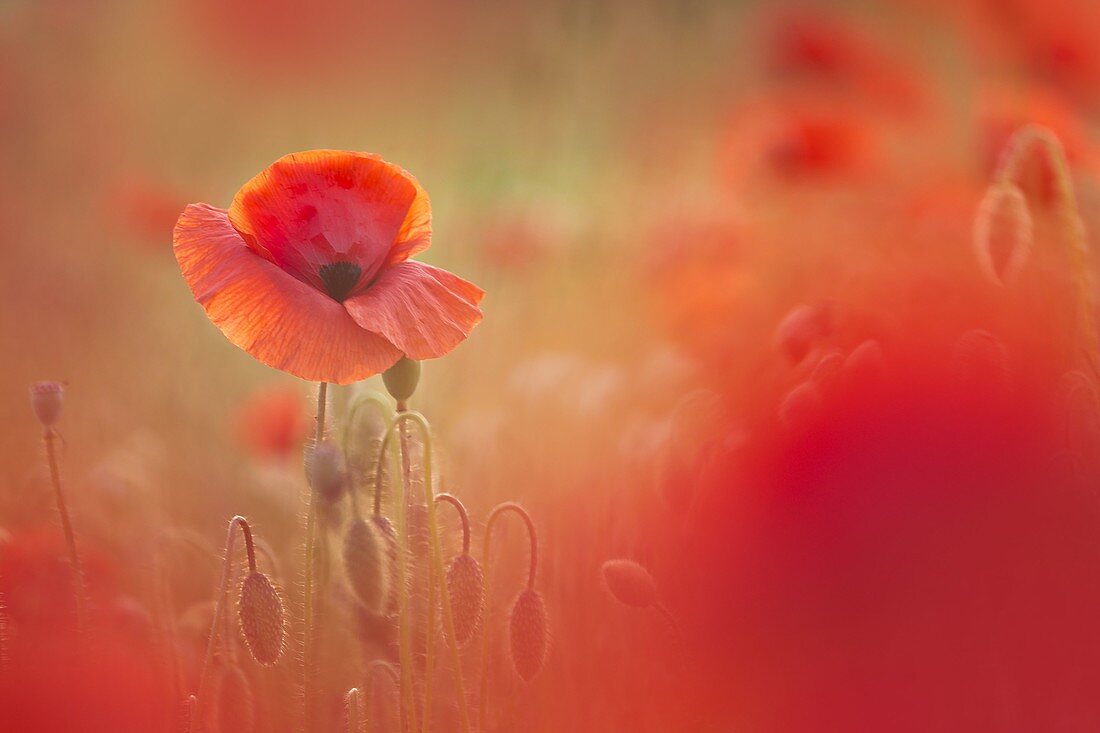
(401, 378)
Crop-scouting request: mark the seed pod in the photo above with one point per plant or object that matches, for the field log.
(1003, 233)
(233, 709)
(325, 471)
(46, 398)
(262, 619)
(529, 634)
(466, 588)
(365, 561)
(630, 583)
(401, 378)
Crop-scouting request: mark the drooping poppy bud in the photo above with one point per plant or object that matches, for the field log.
(263, 619)
(325, 471)
(529, 634)
(630, 583)
(466, 588)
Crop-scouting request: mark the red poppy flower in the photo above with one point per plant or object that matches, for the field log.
(309, 269)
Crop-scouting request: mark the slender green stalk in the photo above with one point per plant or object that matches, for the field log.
(49, 437)
(486, 561)
(429, 650)
(408, 706)
(308, 640)
(463, 515)
(378, 472)
(435, 581)
(219, 607)
(385, 412)
(437, 566)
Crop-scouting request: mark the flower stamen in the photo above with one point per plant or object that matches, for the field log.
(340, 278)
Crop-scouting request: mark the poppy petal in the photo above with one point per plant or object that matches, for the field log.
(423, 310)
(415, 235)
(314, 208)
(275, 317)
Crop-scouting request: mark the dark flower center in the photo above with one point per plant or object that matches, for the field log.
(340, 278)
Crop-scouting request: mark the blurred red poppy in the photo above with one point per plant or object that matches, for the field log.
(833, 50)
(272, 422)
(309, 269)
(144, 208)
(797, 137)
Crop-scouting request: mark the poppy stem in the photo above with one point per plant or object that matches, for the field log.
(309, 612)
(49, 437)
(486, 561)
(437, 574)
(408, 707)
(219, 608)
(378, 472)
(463, 515)
(384, 411)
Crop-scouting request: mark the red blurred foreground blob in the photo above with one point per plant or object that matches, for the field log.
(918, 554)
(55, 680)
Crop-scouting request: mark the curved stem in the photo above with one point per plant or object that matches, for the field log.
(499, 511)
(511, 506)
(384, 410)
(390, 670)
(263, 550)
(220, 603)
(311, 561)
(675, 627)
(463, 514)
(49, 438)
(1073, 227)
(437, 566)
